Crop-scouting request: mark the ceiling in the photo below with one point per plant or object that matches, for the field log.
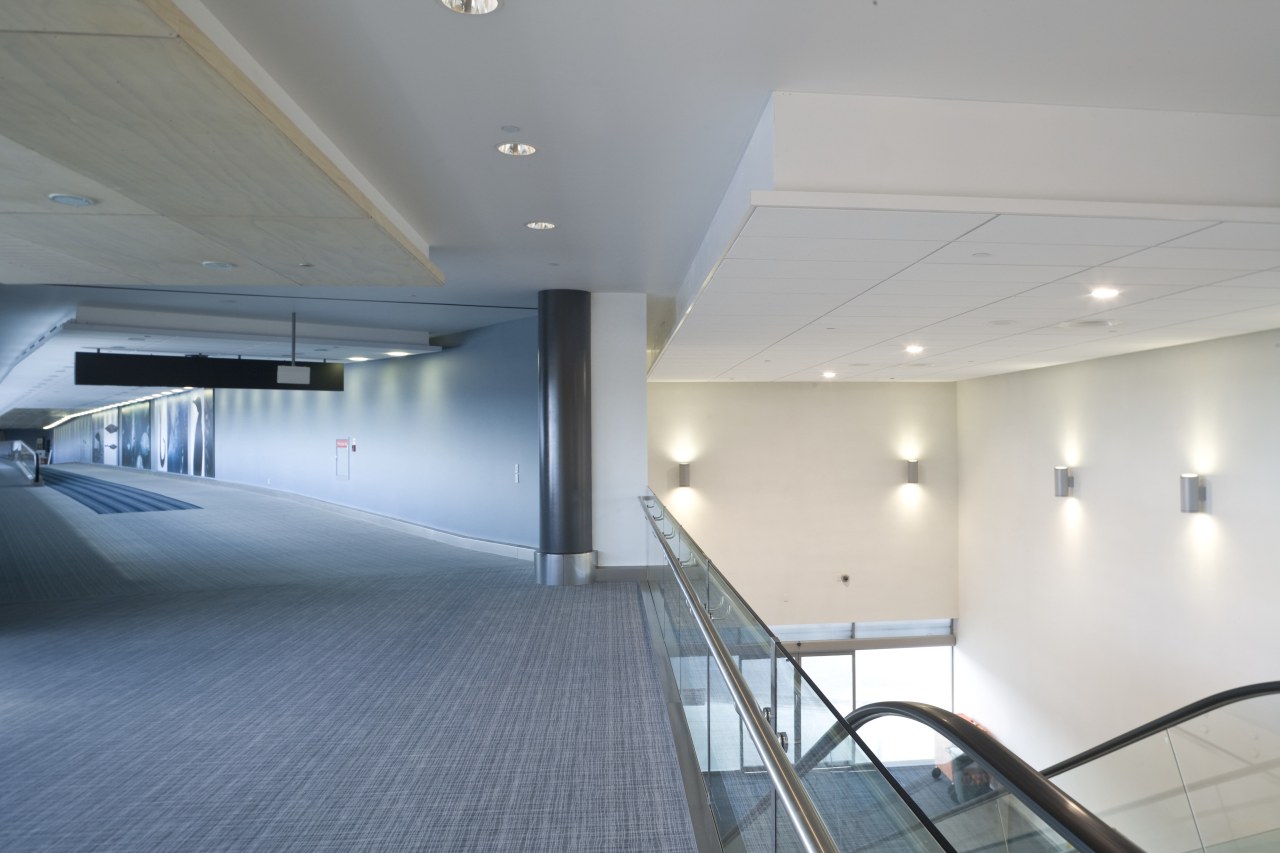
(357, 136)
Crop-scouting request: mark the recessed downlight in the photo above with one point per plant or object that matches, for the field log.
(516, 149)
(71, 200)
(472, 7)
(913, 349)
(539, 225)
(358, 358)
(1104, 293)
(218, 265)
(828, 374)
(398, 354)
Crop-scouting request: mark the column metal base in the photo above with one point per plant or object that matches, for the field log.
(564, 569)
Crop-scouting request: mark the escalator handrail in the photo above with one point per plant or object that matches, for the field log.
(1073, 821)
(1168, 721)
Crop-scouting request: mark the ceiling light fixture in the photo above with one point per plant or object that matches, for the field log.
(472, 7)
(828, 374)
(1104, 293)
(914, 349)
(358, 358)
(398, 354)
(218, 265)
(539, 225)
(516, 149)
(71, 200)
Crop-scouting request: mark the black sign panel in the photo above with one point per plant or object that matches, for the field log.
(199, 372)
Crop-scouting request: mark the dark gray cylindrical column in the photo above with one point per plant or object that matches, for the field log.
(565, 555)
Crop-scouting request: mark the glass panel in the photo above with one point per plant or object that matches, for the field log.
(962, 797)
(1230, 763)
(834, 676)
(1139, 791)
(906, 675)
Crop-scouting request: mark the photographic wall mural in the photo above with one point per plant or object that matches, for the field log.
(172, 433)
(182, 433)
(135, 435)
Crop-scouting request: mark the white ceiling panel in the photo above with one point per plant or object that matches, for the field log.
(848, 287)
(770, 304)
(1234, 235)
(804, 269)
(1270, 278)
(812, 249)
(1029, 253)
(861, 224)
(1009, 273)
(1081, 230)
(1117, 276)
(1206, 259)
(987, 290)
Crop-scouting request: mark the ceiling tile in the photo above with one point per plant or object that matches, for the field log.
(986, 273)
(1234, 235)
(813, 249)
(1208, 259)
(768, 304)
(1081, 230)
(1029, 254)
(849, 287)
(1261, 279)
(803, 269)
(1116, 276)
(860, 224)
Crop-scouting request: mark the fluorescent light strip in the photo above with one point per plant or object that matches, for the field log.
(59, 423)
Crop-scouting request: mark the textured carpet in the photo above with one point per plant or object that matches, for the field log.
(267, 675)
(105, 497)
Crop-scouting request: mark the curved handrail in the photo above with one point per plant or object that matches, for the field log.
(1168, 721)
(1072, 820)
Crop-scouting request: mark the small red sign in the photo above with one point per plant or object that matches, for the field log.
(342, 443)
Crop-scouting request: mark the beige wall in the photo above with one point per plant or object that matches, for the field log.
(1085, 616)
(796, 484)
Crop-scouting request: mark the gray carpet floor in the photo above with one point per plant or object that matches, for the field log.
(267, 674)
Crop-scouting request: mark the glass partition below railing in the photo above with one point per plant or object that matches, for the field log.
(859, 811)
(1211, 783)
(860, 802)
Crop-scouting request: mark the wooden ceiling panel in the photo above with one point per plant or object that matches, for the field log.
(27, 178)
(152, 248)
(149, 115)
(23, 262)
(337, 251)
(100, 17)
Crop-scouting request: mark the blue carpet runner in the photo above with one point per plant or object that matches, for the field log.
(105, 498)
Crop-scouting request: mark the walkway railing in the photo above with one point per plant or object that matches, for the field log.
(757, 721)
(25, 458)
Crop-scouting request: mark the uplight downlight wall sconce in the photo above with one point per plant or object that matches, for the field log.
(1194, 493)
(1063, 482)
(913, 470)
(684, 475)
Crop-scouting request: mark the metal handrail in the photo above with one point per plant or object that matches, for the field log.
(808, 823)
(1168, 721)
(1051, 804)
(20, 453)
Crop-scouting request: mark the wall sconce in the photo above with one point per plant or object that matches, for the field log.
(913, 470)
(684, 475)
(1063, 481)
(1194, 493)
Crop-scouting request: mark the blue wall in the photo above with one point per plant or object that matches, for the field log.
(437, 437)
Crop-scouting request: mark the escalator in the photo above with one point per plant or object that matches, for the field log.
(1204, 777)
(782, 770)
